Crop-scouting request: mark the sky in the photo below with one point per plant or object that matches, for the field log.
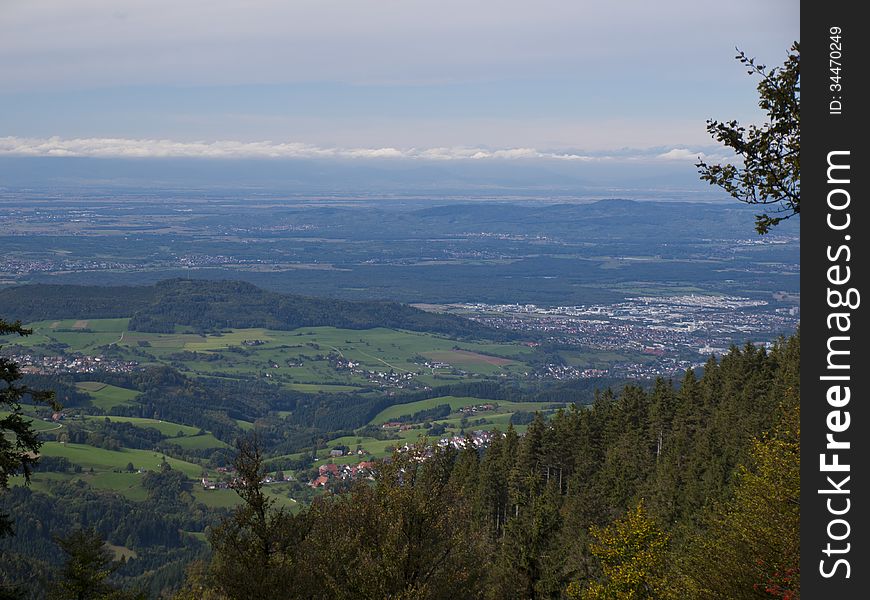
(421, 80)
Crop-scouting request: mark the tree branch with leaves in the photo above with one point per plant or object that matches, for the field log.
(767, 172)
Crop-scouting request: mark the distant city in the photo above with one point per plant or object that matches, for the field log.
(672, 329)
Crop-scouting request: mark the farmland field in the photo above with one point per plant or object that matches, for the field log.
(303, 359)
(229, 499)
(399, 410)
(309, 360)
(38, 424)
(167, 428)
(202, 441)
(106, 396)
(466, 357)
(101, 459)
(128, 485)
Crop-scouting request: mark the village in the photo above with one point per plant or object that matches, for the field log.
(331, 472)
(392, 378)
(78, 363)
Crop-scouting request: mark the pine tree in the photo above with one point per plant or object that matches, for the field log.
(88, 566)
(749, 545)
(19, 443)
(410, 535)
(253, 550)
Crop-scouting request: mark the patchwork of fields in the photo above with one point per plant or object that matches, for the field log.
(306, 360)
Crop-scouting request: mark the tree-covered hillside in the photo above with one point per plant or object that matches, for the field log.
(202, 305)
(676, 492)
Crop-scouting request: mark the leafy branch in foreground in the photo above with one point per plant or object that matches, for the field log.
(768, 170)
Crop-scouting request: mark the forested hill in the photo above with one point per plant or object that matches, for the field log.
(688, 493)
(38, 302)
(213, 305)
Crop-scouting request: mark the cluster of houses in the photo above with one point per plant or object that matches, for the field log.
(437, 364)
(227, 480)
(48, 365)
(389, 378)
(474, 409)
(565, 372)
(479, 439)
(333, 472)
(25, 267)
(398, 425)
(336, 452)
(208, 484)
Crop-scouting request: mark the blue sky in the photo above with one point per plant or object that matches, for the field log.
(343, 78)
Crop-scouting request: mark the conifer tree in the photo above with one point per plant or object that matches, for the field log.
(254, 549)
(19, 443)
(88, 566)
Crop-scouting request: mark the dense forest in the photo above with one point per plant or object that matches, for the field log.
(687, 489)
(205, 306)
(669, 493)
(156, 528)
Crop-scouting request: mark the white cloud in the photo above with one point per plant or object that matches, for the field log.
(692, 156)
(681, 154)
(164, 148)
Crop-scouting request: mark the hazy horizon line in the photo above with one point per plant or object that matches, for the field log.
(119, 147)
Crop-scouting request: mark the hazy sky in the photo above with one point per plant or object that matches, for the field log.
(441, 79)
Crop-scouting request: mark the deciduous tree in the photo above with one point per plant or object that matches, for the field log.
(632, 551)
(767, 169)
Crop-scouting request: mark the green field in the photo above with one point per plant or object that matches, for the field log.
(503, 407)
(400, 410)
(308, 360)
(91, 386)
(229, 499)
(105, 396)
(199, 442)
(107, 460)
(184, 436)
(167, 428)
(80, 335)
(126, 484)
(298, 359)
(37, 424)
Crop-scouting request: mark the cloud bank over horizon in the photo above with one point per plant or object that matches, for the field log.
(97, 147)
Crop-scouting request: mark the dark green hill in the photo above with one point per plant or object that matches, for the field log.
(39, 302)
(213, 305)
